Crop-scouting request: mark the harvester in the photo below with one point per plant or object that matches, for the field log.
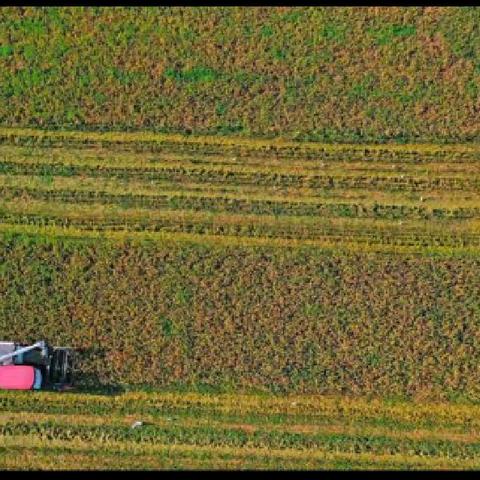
(35, 367)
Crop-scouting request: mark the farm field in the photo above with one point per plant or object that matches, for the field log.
(327, 279)
(258, 228)
(192, 430)
(365, 74)
(170, 260)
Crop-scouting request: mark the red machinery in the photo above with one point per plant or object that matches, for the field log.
(35, 367)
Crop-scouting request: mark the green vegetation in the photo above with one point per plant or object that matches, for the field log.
(286, 267)
(235, 431)
(261, 225)
(310, 73)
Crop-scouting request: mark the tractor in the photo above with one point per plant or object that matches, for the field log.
(35, 367)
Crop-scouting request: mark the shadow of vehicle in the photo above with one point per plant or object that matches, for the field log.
(89, 381)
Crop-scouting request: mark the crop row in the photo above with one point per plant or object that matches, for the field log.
(393, 182)
(436, 202)
(105, 160)
(299, 431)
(31, 452)
(237, 148)
(233, 205)
(205, 226)
(287, 412)
(239, 438)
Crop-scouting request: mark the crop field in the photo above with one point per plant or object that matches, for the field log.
(185, 430)
(259, 228)
(326, 74)
(281, 266)
(335, 277)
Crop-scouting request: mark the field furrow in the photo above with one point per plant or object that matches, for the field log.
(393, 182)
(222, 204)
(197, 437)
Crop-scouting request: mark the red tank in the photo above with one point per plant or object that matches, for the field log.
(17, 377)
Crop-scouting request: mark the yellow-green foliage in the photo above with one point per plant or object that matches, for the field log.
(322, 73)
(319, 269)
(393, 198)
(282, 319)
(233, 431)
